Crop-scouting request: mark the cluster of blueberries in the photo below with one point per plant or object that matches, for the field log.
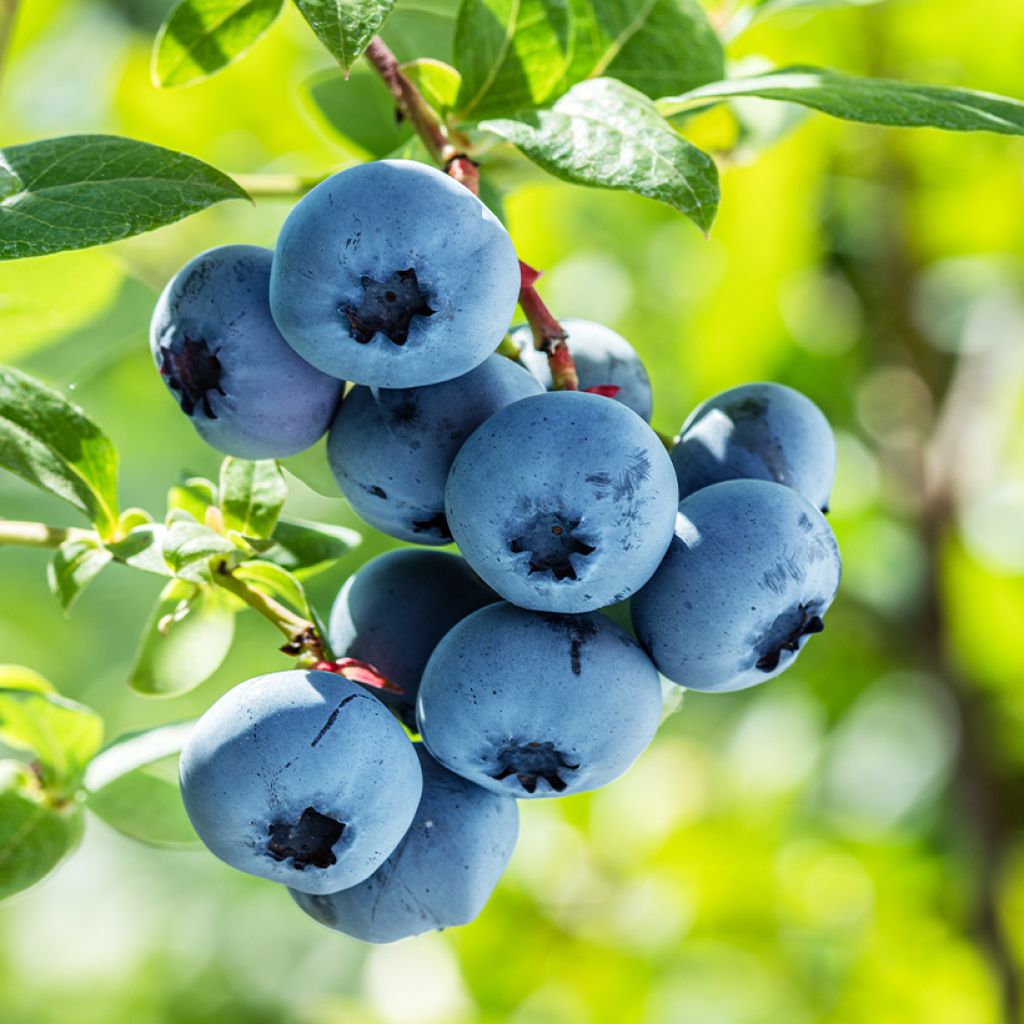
(394, 277)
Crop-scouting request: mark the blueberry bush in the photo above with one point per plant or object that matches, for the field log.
(393, 346)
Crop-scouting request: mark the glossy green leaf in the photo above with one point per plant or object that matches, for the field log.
(52, 444)
(34, 839)
(61, 735)
(252, 495)
(656, 46)
(133, 786)
(306, 548)
(345, 27)
(199, 37)
(438, 82)
(75, 564)
(189, 546)
(359, 110)
(187, 637)
(511, 54)
(605, 134)
(143, 549)
(276, 582)
(869, 100)
(82, 190)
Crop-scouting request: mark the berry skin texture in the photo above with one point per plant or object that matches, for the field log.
(440, 875)
(394, 275)
(602, 357)
(221, 355)
(394, 611)
(538, 705)
(751, 570)
(563, 502)
(760, 432)
(391, 450)
(300, 777)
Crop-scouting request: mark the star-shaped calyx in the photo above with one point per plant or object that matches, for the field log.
(387, 307)
(190, 368)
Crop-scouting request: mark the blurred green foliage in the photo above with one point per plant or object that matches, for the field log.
(843, 845)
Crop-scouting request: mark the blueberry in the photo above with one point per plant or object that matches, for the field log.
(391, 450)
(221, 355)
(761, 432)
(749, 575)
(396, 608)
(440, 875)
(537, 705)
(563, 501)
(602, 357)
(300, 777)
(394, 275)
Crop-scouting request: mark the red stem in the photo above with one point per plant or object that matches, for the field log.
(548, 335)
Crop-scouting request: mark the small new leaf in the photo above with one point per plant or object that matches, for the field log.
(308, 548)
(53, 445)
(34, 839)
(605, 134)
(188, 635)
(189, 546)
(868, 100)
(199, 37)
(82, 190)
(252, 495)
(276, 582)
(133, 786)
(75, 564)
(345, 27)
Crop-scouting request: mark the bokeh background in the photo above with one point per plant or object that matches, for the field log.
(842, 845)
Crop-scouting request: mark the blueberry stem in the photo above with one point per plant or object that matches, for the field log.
(39, 535)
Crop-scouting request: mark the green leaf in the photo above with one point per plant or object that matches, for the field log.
(75, 564)
(656, 46)
(438, 82)
(869, 100)
(52, 444)
(359, 110)
(143, 549)
(34, 839)
(17, 677)
(199, 37)
(133, 786)
(186, 639)
(308, 548)
(511, 54)
(194, 496)
(421, 31)
(608, 135)
(60, 734)
(189, 546)
(345, 27)
(252, 495)
(277, 582)
(84, 190)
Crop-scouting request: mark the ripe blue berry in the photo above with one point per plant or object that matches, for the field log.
(300, 777)
(394, 275)
(750, 572)
(563, 502)
(602, 358)
(391, 450)
(396, 608)
(538, 705)
(221, 355)
(440, 875)
(761, 432)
